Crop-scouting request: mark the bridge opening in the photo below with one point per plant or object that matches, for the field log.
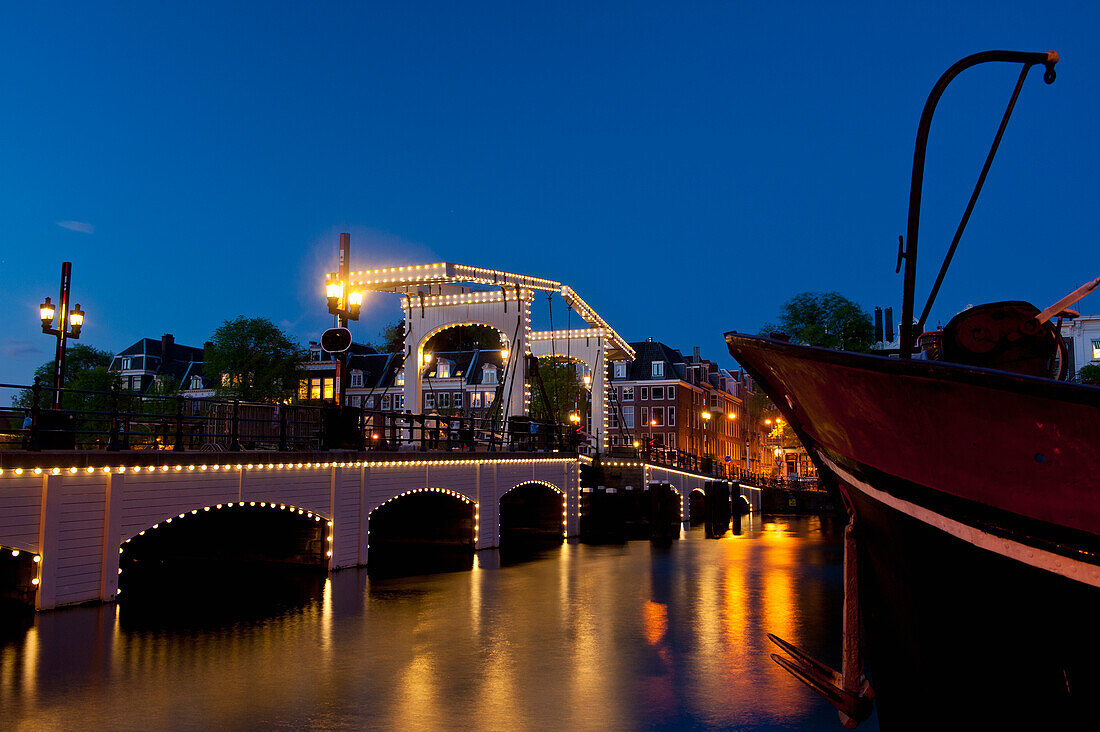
(697, 507)
(228, 560)
(532, 517)
(665, 512)
(18, 583)
(422, 531)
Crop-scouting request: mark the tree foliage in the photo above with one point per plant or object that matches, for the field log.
(464, 338)
(255, 360)
(391, 339)
(85, 370)
(1089, 374)
(828, 320)
(564, 389)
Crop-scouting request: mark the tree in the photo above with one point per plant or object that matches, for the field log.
(464, 338)
(564, 389)
(828, 320)
(1089, 374)
(85, 369)
(391, 339)
(255, 360)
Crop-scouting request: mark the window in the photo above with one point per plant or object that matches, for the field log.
(1095, 350)
(620, 369)
(614, 440)
(429, 400)
(657, 417)
(644, 396)
(445, 400)
(303, 389)
(488, 399)
(613, 420)
(385, 401)
(658, 369)
(225, 379)
(672, 392)
(475, 400)
(398, 401)
(456, 399)
(672, 416)
(353, 401)
(628, 417)
(329, 388)
(196, 382)
(356, 379)
(314, 388)
(488, 374)
(444, 369)
(400, 381)
(714, 400)
(658, 392)
(644, 421)
(628, 393)
(368, 401)
(126, 364)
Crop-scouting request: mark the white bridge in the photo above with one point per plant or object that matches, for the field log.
(446, 295)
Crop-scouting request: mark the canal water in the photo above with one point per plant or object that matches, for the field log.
(630, 636)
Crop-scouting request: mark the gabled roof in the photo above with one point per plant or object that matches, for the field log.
(379, 369)
(646, 352)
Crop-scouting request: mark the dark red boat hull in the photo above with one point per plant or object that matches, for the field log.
(977, 512)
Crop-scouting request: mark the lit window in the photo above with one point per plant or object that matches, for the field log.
(444, 369)
(329, 384)
(303, 389)
(196, 382)
(1096, 349)
(620, 369)
(658, 369)
(628, 393)
(398, 401)
(314, 388)
(429, 400)
(400, 381)
(488, 374)
(475, 399)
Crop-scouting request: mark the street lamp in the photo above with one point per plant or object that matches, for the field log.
(69, 324)
(705, 414)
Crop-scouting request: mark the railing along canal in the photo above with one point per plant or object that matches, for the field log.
(118, 420)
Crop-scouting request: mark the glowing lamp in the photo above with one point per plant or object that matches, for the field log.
(504, 353)
(705, 415)
(588, 380)
(334, 290)
(76, 317)
(46, 311)
(731, 415)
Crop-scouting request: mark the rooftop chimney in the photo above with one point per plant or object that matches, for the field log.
(695, 352)
(166, 344)
(889, 312)
(878, 324)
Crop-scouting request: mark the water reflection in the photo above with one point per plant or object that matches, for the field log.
(625, 636)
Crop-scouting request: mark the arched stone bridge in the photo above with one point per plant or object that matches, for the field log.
(74, 514)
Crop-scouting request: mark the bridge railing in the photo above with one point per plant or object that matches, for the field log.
(705, 465)
(123, 420)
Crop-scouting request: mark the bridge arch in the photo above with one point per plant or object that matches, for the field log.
(423, 529)
(20, 574)
(214, 542)
(532, 511)
(697, 501)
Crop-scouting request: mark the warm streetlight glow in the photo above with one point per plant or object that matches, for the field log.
(426, 358)
(636, 443)
(334, 290)
(731, 415)
(46, 310)
(355, 299)
(767, 421)
(76, 318)
(588, 380)
(574, 417)
(653, 423)
(705, 415)
(505, 353)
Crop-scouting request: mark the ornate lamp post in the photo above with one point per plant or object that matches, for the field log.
(344, 305)
(69, 324)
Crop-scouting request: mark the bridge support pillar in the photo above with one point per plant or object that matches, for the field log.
(112, 536)
(49, 541)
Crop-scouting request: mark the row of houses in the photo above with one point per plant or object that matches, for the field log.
(657, 401)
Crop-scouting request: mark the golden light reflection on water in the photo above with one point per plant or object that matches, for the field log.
(582, 637)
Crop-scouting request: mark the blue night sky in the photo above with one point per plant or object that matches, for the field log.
(686, 167)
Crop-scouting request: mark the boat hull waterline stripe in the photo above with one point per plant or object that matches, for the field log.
(1032, 556)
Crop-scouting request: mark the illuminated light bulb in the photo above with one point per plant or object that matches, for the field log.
(251, 503)
(34, 581)
(330, 523)
(217, 467)
(179, 467)
(206, 508)
(263, 504)
(164, 468)
(120, 571)
(55, 471)
(150, 468)
(190, 467)
(19, 471)
(106, 471)
(202, 467)
(219, 505)
(270, 466)
(15, 552)
(141, 533)
(156, 525)
(194, 511)
(182, 515)
(167, 521)
(89, 470)
(329, 553)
